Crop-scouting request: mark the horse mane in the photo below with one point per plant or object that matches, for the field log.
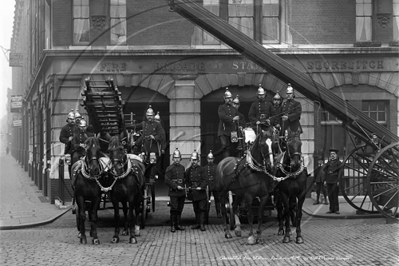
(114, 143)
(90, 141)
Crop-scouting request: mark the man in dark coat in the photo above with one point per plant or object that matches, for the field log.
(319, 177)
(175, 180)
(197, 180)
(152, 134)
(241, 124)
(292, 111)
(211, 173)
(331, 171)
(260, 110)
(66, 136)
(275, 118)
(228, 115)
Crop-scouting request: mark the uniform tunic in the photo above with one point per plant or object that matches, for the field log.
(275, 118)
(319, 174)
(332, 177)
(226, 113)
(260, 111)
(174, 176)
(66, 132)
(293, 110)
(211, 173)
(150, 128)
(197, 177)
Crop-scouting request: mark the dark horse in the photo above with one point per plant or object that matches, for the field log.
(291, 190)
(89, 173)
(127, 187)
(247, 179)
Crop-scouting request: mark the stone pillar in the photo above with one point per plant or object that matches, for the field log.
(185, 120)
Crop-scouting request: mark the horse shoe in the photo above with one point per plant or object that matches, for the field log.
(133, 240)
(95, 241)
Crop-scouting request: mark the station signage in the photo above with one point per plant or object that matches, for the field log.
(16, 60)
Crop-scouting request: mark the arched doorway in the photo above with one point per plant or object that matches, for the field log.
(209, 115)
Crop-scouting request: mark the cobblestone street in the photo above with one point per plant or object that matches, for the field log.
(327, 242)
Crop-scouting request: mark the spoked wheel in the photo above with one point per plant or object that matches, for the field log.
(144, 209)
(231, 211)
(353, 180)
(383, 182)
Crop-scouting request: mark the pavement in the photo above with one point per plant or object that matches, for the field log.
(22, 204)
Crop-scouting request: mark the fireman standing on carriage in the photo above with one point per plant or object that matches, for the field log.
(175, 180)
(227, 131)
(292, 111)
(66, 136)
(197, 180)
(260, 110)
(151, 138)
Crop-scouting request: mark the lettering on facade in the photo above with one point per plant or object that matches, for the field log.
(180, 66)
(112, 67)
(345, 65)
(245, 65)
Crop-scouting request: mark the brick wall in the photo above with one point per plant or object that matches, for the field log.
(150, 23)
(323, 21)
(62, 22)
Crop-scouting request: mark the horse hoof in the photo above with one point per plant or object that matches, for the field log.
(125, 232)
(251, 240)
(299, 240)
(228, 235)
(115, 240)
(280, 232)
(237, 232)
(133, 240)
(96, 241)
(80, 235)
(83, 240)
(286, 239)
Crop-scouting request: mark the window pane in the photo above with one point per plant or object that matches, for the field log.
(77, 12)
(270, 31)
(373, 106)
(396, 8)
(85, 11)
(363, 28)
(247, 26)
(381, 117)
(373, 115)
(85, 2)
(396, 28)
(113, 11)
(270, 10)
(77, 2)
(381, 106)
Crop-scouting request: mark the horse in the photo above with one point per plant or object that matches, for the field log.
(127, 187)
(89, 173)
(247, 179)
(291, 190)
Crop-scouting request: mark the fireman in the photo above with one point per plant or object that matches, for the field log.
(291, 111)
(174, 179)
(260, 110)
(197, 180)
(66, 136)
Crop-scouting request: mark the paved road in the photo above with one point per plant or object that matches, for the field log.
(327, 242)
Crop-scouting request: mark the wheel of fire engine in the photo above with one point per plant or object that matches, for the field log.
(231, 212)
(352, 182)
(383, 182)
(153, 197)
(144, 209)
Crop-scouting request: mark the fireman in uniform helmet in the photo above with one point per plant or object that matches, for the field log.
(152, 135)
(174, 179)
(241, 125)
(260, 110)
(66, 136)
(275, 118)
(197, 180)
(161, 143)
(228, 115)
(211, 172)
(291, 114)
(78, 117)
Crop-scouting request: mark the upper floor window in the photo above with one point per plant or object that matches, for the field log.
(377, 110)
(81, 22)
(271, 21)
(118, 21)
(364, 20)
(258, 19)
(241, 16)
